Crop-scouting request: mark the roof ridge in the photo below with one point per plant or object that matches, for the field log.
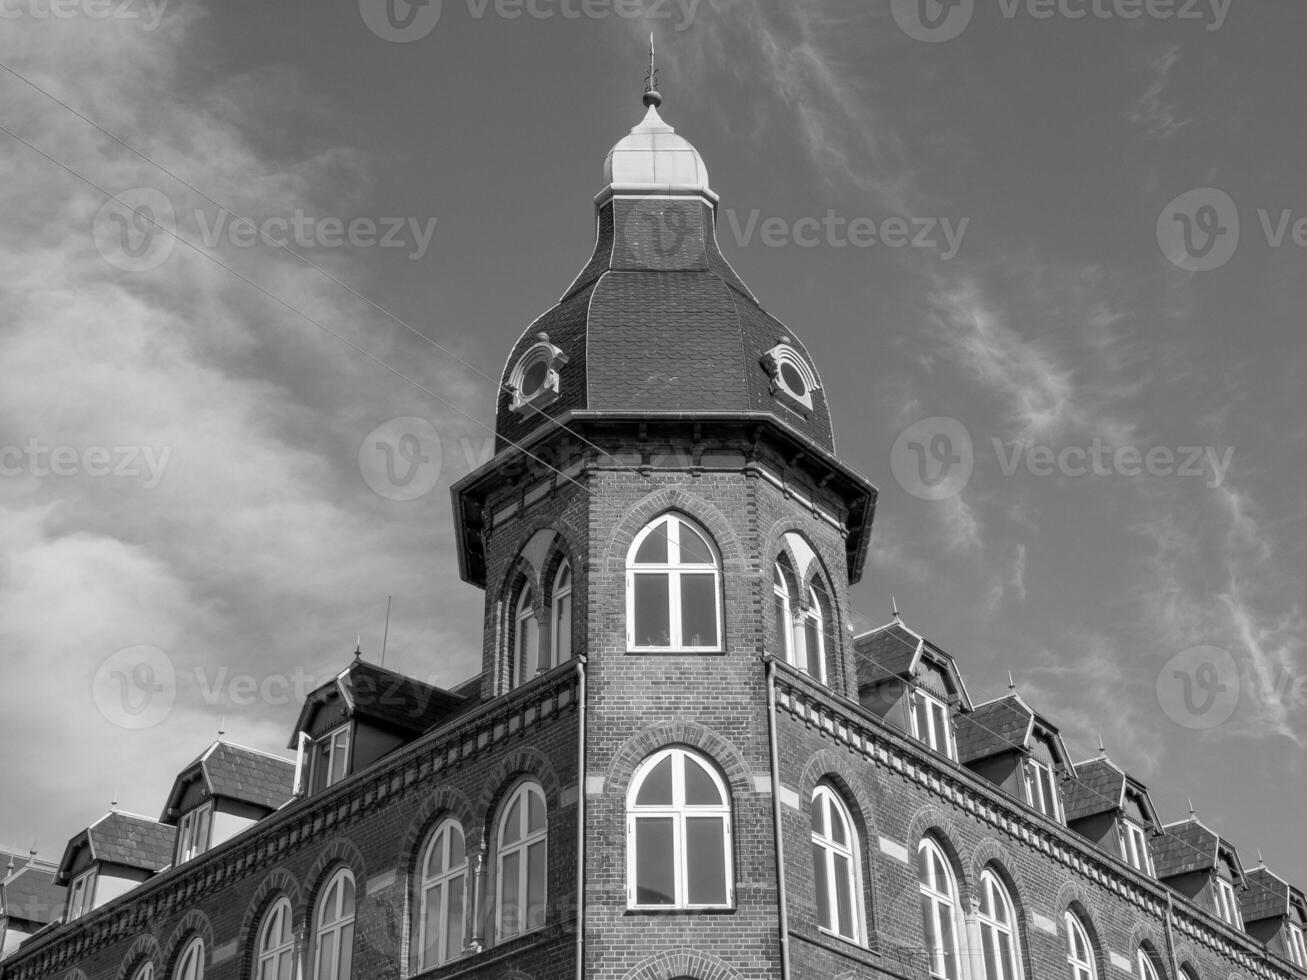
(269, 755)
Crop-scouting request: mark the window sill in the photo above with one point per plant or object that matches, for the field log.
(674, 651)
(707, 910)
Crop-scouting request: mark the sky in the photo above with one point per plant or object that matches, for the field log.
(1047, 256)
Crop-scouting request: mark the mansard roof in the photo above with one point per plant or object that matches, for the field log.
(1100, 786)
(1268, 896)
(122, 838)
(238, 773)
(1002, 725)
(31, 894)
(896, 651)
(1188, 845)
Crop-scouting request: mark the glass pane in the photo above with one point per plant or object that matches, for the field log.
(838, 832)
(435, 858)
(510, 901)
(825, 917)
(844, 895)
(656, 790)
(992, 971)
(818, 813)
(699, 610)
(563, 630)
(513, 822)
(812, 643)
(653, 618)
(326, 958)
(922, 717)
(782, 625)
(536, 886)
(457, 851)
(694, 549)
(347, 896)
(930, 930)
(778, 578)
(1006, 959)
(987, 898)
(946, 940)
(700, 790)
(923, 865)
(285, 967)
(346, 953)
(655, 862)
(528, 649)
(454, 919)
(793, 380)
(431, 927)
(653, 549)
(705, 855)
(534, 378)
(535, 812)
(565, 578)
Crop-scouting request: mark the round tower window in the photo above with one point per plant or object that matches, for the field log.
(533, 379)
(793, 380)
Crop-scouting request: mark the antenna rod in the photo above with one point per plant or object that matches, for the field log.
(386, 635)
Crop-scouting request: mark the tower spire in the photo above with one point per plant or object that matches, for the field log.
(652, 98)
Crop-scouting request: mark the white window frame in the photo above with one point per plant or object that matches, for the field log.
(526, 637)
(776, 360)
(784, 613)
(194, 832)
(1041, 782)
(333, 931)
(1227, 903)
(561, 625)
(272, 950)
(679, 812)
(993, 927)
(813, 616)
(828, 850)
(332, 740)
(674, 569)
(190, 965)
(1144, 964)
(1081, 969)
(553, 360)
(937, 896)
(939, 740)
(1134, 846)
(81, 894)
(439, 884)
(1297, 945)
(521, 846)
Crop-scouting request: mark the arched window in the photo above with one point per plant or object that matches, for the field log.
(333, 929)
(939, 909)
(442, 886)
(1144, 965)
(562, 614)
(835, 859)
(522, 844)
(811, 659)
(145, 971)
(526, 638)
(998, 929)
(1079, 951)
(673, 588)
(780, 587)
(190, 965)
(678, 829)
(276, 945)
(1187, 972)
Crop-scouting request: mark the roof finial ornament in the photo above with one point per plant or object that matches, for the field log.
(894, 604)
(113, 804)
(652, 98)
(1011, 682)
(222, 727)
(358, 647)
(1102, 749)
(1193, 814)
(1261, 861)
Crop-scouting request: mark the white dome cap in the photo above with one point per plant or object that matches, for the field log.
(653, 160)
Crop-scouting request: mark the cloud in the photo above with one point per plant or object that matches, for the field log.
(1153, 111)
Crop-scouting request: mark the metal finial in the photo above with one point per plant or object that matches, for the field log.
(1192, 813)
(1261, 861)
(222, 727)
(113, 804)
(1011, 682)
(894, 604)
(358, 647)
(1102, 749)
(652, 98)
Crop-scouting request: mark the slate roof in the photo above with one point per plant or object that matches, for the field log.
(884, 653)
(1266, 897)
(123, 838)
(31, 894)
(1098, 788)
(1188, 846)
(237, 773)
(997, 726)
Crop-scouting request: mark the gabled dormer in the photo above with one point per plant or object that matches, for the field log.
(110, 858)
(912, 684)
(225, 790)
(1011, 745)
(1275, 913)
(362, 714)
(1112, 809)
(1199, 864)
(29, 899)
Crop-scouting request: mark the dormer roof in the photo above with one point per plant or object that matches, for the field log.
(234, 772)
(1189, 845)
(1101, 786)
(896, 651)
(118, 837)
(1006, 724)
(1268, 896)
(30, 893)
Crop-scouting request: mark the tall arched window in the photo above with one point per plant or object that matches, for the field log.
(780, 588)
(678, 830)
(1187, 972)
(1079, 951)
(673, 588)
(145, 971)
(813, 659)
(562, 614)
(526, 638)
(939, 909)
(998, 929)
(442, 886)
(276, 944)
(522, 843)
(1144, 965)
(333, 929)
(190, 965)
(835, 860)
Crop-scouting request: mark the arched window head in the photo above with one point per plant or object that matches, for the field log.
(1144, 969)
(145, 971)
(1079, 951)
(190, 965)
(526, 638)
(442, 896)
(673, 589)
(836, 866)
(562, 614)
(999, 939)
(522, 860)
(333, 929)
(782, 596)
(276, 943)
(939, 910)
(678, 831)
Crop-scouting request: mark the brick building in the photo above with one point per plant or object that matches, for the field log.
(676, 761)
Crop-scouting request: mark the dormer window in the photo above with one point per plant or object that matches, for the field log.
(535, 380)
(1227, 906)
(193, 833)
(330, 758)
(1297, 947)
(81, 897)
(790, 373)
(1134, 846)
(931, 724)
(1041, 789)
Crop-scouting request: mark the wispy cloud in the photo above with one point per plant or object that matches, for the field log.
(1154, 112)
